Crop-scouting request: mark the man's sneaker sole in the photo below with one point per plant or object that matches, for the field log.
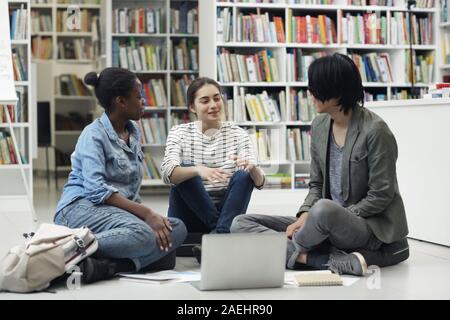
(362, 261)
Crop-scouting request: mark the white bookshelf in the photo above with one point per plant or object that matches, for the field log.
(49, 68)
(209, 45)
(166, 73)
(23, 128)
(51, 9)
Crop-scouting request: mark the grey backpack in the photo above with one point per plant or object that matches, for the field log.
(45, 255)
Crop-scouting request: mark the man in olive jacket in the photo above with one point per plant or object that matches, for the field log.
(353, 215)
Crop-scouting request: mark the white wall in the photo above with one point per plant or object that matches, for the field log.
(422, 131)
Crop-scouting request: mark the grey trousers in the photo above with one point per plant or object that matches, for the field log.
(327, 222)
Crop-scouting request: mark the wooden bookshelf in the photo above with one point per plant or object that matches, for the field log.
(166, 36)
(226, 33)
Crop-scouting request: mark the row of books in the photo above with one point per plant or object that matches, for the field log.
(41, 22)
(299, 143)
(282, 1)
(155, 93)
(97, 2)
(137, 20)
(224, 25)
(298, 62)
(179, 88)
(232, 112)
(262, 107)
(422, 29)
(42, 47)
(374, 67)
(18, 23)
(423, 67)
(390, 3)
(301, 180)
(76, 49)
(278, 181)
(177, 118)
(374, 97)
(151, 171)
(184, 54)
(70, 85)
(438, 90)
(261, 66)
(19, 57)
(7, 153)
(265, 144)
(18, 112)
(311, 29)
(404, 94)
(446, 47)
(369, 28)
(153, 129)
(259, 28)
(444, 9)
(184, 19)
(300, 108)
(138, 56)
(85, 23)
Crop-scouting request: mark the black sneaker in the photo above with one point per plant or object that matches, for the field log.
(96, 269)
(347, 263)
(197, 252)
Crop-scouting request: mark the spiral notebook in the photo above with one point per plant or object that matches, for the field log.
(318, 278)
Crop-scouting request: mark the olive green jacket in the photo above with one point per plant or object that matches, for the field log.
(369, 179)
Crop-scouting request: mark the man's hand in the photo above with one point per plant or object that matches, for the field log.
(292, 228)
(162, 228)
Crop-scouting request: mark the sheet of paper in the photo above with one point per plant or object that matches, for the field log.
(349, 280)
(163, 276)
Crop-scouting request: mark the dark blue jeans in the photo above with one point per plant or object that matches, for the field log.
(190, 203)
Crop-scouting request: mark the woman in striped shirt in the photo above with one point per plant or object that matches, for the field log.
(209, 164)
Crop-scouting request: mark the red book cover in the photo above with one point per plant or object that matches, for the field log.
(367, 29)
(300, 29)
(258, 67)
(12, 154)
(442, 85)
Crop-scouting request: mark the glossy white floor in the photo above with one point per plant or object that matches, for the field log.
(425, 275)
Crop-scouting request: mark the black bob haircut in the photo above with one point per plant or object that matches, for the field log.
(111, 83)
(336, 76)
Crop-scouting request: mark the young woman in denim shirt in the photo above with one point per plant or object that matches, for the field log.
(210, 164)
(102, 191)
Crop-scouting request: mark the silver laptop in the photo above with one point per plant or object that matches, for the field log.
(242, 261)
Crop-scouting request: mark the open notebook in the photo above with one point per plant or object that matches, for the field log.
(317, 278)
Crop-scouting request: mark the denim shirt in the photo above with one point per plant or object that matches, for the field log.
(102, 164)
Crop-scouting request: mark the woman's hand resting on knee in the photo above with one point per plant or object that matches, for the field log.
(292, 228)
(213, 175)
(162, 228)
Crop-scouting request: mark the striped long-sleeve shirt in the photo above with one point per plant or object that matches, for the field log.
(187, 145)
